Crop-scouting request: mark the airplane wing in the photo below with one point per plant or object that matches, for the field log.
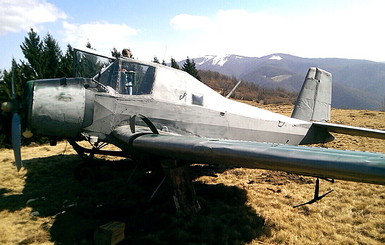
(311, 161)
(356, 131)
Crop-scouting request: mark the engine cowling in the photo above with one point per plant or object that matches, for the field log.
(57, 107)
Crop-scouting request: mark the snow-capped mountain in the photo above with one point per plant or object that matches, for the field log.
(231, 65)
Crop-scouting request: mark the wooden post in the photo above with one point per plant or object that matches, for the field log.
(110, 233)
(184, 193)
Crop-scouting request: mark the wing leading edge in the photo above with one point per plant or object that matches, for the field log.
(319, 162)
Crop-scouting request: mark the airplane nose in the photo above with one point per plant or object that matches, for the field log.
(50, 107)
(56, 107)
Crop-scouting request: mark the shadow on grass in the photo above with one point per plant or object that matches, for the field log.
(122, 194)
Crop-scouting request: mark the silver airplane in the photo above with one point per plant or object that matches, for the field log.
(148, 109)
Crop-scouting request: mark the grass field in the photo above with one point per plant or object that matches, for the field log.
(45, 204)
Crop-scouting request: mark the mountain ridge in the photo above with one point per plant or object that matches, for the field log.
(357, 84)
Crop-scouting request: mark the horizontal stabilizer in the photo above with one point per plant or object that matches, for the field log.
(319, 162)
(357, 131)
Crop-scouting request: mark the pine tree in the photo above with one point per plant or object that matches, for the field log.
(88, 45)
(87, 65)
(115, 53)
(32, 48)
(16, 76)
(189, 67)
(174, 64)
(51, 57)
(26, 72)
(43, 57)
(67, 63)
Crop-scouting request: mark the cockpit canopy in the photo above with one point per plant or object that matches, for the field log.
(126, 76)
(129, 77)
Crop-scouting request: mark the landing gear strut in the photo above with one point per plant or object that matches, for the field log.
(316, 197)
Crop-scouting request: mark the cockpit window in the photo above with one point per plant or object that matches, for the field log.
(109, 76)
(128, 77)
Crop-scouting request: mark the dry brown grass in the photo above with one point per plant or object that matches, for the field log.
(354, 213)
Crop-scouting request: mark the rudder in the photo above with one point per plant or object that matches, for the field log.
(314, 100)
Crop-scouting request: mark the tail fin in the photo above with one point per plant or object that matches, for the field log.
(314, 100)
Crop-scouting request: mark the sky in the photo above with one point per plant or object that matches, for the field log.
(351, 29)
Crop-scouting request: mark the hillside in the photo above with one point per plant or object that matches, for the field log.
(246, 90)
(357, 84)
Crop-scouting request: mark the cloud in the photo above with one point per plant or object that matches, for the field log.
(20, 15)
(230, 31)
(352, 31)
(190, 22)
(103, 36)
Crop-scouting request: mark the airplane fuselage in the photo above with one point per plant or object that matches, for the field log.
(196, 120)
(174, 101)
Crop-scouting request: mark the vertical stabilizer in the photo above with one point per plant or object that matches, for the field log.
(314, 100)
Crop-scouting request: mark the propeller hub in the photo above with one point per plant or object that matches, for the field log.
(7, 106)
